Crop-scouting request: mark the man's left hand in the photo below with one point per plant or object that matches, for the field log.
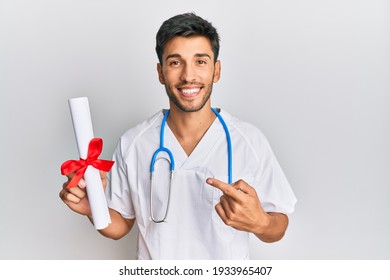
(239, 206)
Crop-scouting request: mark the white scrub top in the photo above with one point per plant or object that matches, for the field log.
(193, 229)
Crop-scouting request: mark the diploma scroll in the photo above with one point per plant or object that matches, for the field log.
(82, 124)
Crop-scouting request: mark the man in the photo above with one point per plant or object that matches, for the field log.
(195, 214)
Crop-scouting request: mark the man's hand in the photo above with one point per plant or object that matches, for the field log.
(76, 198)
(240, 208)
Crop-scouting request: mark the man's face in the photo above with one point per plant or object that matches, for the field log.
(188, 72)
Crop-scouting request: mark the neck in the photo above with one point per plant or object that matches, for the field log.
(190, 127)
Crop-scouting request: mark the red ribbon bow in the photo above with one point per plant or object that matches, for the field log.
(94, 149)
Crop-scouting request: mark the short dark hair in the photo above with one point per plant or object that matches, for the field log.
(185, 25)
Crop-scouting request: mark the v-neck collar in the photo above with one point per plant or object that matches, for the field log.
(214, 134)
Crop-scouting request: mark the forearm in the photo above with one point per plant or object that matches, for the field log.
(272, 228)
(119, 226)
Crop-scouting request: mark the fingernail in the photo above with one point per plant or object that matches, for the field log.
(209, 181)
(82, 183)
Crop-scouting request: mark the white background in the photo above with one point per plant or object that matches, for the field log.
(312, 75)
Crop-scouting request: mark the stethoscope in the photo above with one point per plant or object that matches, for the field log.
(171, 161)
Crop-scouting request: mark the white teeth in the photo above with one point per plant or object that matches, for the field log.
(190, 91)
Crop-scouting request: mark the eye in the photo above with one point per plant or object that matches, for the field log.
(174, 63)
(201, 62)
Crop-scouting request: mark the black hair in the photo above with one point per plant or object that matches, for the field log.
(185, 25)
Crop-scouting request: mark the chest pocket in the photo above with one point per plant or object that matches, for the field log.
(224, 231)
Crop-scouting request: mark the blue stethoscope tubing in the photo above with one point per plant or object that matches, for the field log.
(229, 146)
(162, 148)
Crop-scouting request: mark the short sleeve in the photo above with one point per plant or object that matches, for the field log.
(118, 190)
(272, 186)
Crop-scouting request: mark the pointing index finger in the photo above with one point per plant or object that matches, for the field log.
(227, 189)
(218, 184)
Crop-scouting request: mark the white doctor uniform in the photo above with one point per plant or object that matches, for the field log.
(193, 229)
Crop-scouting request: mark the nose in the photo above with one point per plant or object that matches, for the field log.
(188, 74)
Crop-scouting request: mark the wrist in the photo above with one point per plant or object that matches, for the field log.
(263, 225)
(89, 216)
(273, 227)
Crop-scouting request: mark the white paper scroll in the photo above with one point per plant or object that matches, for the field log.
(82, 124)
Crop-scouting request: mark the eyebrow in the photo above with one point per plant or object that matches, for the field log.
(202, 55)
(176, 55)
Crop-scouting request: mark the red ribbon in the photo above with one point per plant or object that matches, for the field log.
(79, 166)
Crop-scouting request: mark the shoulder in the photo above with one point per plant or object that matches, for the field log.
(248, 133)
(134, 134)
(243, 128)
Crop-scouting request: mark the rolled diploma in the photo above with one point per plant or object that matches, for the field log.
(82, 124)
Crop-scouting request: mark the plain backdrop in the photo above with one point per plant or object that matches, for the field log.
(314, 76)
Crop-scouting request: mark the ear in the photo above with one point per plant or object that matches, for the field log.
(160, 74)
(217, 71)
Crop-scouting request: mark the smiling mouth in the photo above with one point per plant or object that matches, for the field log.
(190, 92)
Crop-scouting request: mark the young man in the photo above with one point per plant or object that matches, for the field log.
(195, 214)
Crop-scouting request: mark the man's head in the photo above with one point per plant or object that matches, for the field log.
(187, 47)
(186, 25)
